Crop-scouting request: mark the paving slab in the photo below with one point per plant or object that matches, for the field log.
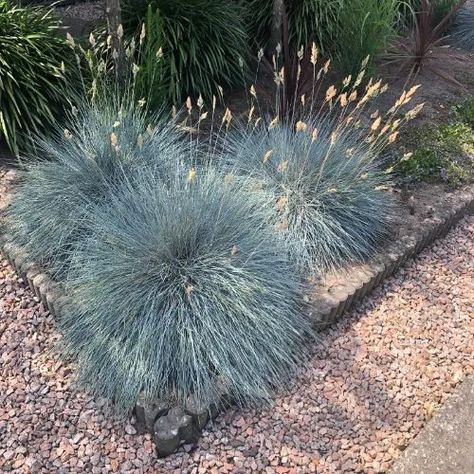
(446, 444)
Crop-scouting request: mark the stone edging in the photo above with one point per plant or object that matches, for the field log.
(173, 426)
(327, 308)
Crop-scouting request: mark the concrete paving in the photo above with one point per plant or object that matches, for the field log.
(446, 444)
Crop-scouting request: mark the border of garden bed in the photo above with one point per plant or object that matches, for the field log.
(173, 426)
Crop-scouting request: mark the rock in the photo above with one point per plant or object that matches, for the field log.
(198, 412)
(166, 437)
(187, 429)
(147, 413)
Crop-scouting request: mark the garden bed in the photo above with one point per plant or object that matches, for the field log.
(426, 214)
(371, 384)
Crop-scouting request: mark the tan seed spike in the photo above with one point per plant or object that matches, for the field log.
(70, 40)
(200, 101)
(113, 139)
(314, 54)
(273, 123)
(301, 126)
(227, 118)
(192, 175)
(303, 99)
(331, 93)
(189, 289)
(392, 137)
(67, 134)
(376, 124)
(267, 155)
(314, 135)
(140, 141)
(120, 32)
(374, 115)
(252, 110)
(343, 99)
(234, 250)
(92, 41)
(281, 203)
(189, 105)
(283, 166)
(253, 92)
(142, 33)
(413, 90)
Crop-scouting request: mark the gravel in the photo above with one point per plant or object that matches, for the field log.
(374, 380)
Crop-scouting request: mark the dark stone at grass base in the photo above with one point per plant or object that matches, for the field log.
(188, 431)
(147, 413)
(166, 436)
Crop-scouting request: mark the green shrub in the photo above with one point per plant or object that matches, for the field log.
(465, 112)
(444, 154)
(365, 28)
(308, 20)
(346, 30)
(74, 170)
(204, 44)
(183, 289)
(32, 84)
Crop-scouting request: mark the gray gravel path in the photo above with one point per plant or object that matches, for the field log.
(369, 388)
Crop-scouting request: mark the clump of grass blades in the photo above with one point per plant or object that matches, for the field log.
(32, 81)
(204, 44)
(183, 289)
(462, 33)
(365, 28)
(325, 186)
(74, 170)
(308, 20)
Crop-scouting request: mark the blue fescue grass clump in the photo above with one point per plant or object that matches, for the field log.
(73, 170)
(183, 289)
(462, 31)
(325, 187)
